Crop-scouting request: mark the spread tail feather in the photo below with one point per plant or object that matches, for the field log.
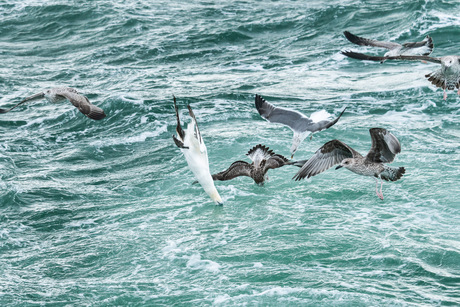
(392, 173)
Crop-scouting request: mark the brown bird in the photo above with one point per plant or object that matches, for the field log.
(385, 146)
(262, 158)
(60, 94)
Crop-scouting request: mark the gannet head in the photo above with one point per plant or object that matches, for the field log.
(216, 198)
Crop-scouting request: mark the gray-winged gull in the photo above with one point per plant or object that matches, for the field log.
(384, 148)
(192, 146)
(446, 77)
(262, 158)
(425, 47)
(298, 122)
(60, 94)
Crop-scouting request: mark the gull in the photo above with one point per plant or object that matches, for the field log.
(447, 77)
(192, 146)
(384, 148)
(262, 158)
(425, 47)
(60, 94)
(298, 122)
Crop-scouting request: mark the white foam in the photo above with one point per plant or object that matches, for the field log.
(319, 116)
(278, 291)
(195, 263)
(132, 139)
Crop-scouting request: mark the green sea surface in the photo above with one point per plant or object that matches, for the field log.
(105, 213)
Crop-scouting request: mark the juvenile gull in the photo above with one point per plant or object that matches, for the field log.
(192, 146)
(446, 77)
(298, 122)
(425, 47)
(262, 158)
(60, 94)
(384, 148)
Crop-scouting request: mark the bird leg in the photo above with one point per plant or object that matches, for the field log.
(458, 92)
(445, 94)
(380, 195)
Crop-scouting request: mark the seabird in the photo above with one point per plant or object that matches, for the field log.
(298, 122)
(384, 148)
(262, 158)
(60, 94)
(447, 77)
(192, 146)
(425, 47)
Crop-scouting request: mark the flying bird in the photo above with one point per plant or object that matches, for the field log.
(447, 77)
(425, 47)
(384, 148)
(60, 94)
(298, 122)
(262, 158)
(192, 146)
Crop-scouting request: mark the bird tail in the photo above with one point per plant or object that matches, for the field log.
(392, 173)
(259, 153)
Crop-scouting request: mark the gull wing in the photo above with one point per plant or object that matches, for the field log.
(82, 104)
(369, 42)
(238, 168)
(362, 56)
(275, 161)
(293, 119)
(385, 146)
(325, 124)
(27, 99)
(330, 154)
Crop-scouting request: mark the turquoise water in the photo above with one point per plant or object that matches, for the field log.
(104, 213)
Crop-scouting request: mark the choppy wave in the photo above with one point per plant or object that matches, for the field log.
(105, 212)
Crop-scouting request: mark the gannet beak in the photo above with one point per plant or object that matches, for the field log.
(340, 166)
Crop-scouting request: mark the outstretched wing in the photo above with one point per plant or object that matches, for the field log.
(293, 119)
(27, 99)
(331, 153)
(325, 124)
(385, 146)
(238, 168)
(362, 56)
(82, 104)
(369, 42)
(275, 161)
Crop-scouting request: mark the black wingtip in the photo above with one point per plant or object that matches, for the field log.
(362, 56)
(259, 101)
(353, 38)
(4, 110)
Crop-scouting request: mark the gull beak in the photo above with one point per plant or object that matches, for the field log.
(340, 166)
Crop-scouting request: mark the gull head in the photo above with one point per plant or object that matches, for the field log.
(347, 163)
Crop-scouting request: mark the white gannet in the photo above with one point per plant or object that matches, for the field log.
(384, 148)
(60, 94)
(192, 146)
